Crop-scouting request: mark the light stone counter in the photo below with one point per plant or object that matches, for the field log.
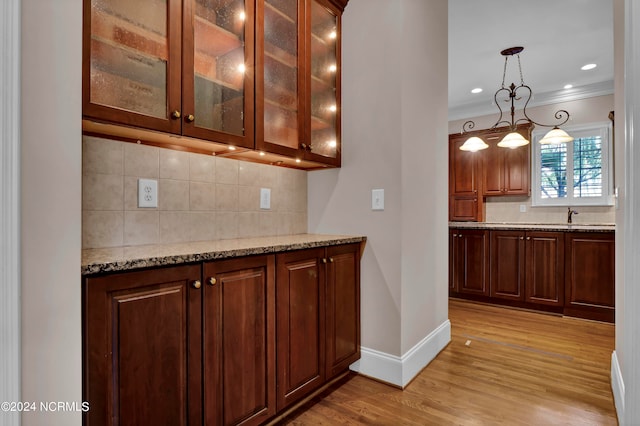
(580, 227)
(95, 261)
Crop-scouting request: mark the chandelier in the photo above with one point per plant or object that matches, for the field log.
(514, 139)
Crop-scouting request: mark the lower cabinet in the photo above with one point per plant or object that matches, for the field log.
(318, 318)
(239, 337)
(469, 251)
(527, 266)
(590, 275)
(143, 347)
(219, 343)
(568, 272)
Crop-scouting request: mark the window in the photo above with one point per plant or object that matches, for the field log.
(578, 173)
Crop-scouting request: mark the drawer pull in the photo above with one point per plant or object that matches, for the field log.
(196, 284)
(212, 281)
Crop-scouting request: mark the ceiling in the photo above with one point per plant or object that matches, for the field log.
(558, 36)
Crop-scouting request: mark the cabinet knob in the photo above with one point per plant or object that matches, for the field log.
(324, 260)
(196, 284)
(175, 114)
(528, 238)
(309, 147)
(212, 281)
(459, 235)
(522, 238)
(331, 260)
(303, 145)
(189, 118)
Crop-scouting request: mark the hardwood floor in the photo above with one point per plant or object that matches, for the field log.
(519, 368)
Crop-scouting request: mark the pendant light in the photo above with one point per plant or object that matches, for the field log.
(514, 139)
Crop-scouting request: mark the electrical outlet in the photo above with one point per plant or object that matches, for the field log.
(265, 198)
(147, 193)
(523, 208)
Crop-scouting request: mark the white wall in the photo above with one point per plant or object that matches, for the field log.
(394, 133)
(51, 196)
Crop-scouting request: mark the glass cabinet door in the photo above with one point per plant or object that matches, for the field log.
(280, 121)
(132, 64)
(324, 94)
(218, 82)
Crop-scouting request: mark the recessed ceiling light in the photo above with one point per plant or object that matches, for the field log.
(476, 90)
(568, 86)
(588, 67)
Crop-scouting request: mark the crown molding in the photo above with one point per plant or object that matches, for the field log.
(548, 98)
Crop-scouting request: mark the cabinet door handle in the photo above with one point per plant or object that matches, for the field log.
(324, 260)
(331, 260)
(528, 238)
(196, 284)
(189, 118)
(309, 147)
(175, 114)
(212, 281)
(459, 235)
(304, 146)
(522, 238)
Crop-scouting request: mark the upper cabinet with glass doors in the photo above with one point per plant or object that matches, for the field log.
(172, 66)
(257, 74)
(298, 79)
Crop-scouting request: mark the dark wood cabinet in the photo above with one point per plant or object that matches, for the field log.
(465, 204)
(300, 324)
(246, 74)
(507, 265)
(239, 374)
(223, 342)
(469, 250)
(342, 308)
(544, 270)
(142, 347)
(506, 171)
(527, 266)
(318, 318)
(590, 275)
(298, 79)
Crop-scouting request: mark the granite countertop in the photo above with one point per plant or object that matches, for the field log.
(582, 227)
(113, 259)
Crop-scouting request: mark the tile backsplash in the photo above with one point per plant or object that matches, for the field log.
(200, 197)
(499, 209)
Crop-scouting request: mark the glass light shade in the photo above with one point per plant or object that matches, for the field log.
(556, 136)
(474, 144)
(513, 140)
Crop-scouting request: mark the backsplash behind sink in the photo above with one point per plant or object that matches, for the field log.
(200, 197)
(499, 210)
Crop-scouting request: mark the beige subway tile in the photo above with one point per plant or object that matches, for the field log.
(268, 175)
(141, 227)
(285, 223)
(227, 171)
(141, 160)
(226, 225)
(248, 224)
(202, 168)
(131, 193)
(173, 194)
(102, 156)
(249, 173)
(299, 223)
(248, 198)
(203, 226)
(174, 164)
(102, 229)
(268, 224)
(102, 192)
(175, 227)
(227, 198)
(202, 196)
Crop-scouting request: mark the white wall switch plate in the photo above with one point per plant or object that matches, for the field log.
(377, 199)
(523, 208)
(147, 193)
(265, 198)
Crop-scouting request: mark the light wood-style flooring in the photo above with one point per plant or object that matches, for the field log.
(502, 367)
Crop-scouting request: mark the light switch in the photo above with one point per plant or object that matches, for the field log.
(147, 193)
(377, 199)
(265, 198)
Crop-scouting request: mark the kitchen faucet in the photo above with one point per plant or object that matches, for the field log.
(570, 213)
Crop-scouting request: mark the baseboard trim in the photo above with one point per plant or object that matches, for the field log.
(617, 385)
(399, 371)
